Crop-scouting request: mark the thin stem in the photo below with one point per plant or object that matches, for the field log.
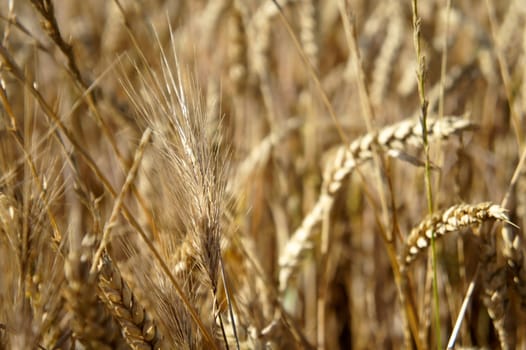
(229, 301)
(462, 312)
(421, 76)
(119, 200)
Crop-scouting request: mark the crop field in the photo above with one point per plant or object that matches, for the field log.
(262, 174)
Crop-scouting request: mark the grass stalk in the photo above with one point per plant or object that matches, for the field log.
(421, 78)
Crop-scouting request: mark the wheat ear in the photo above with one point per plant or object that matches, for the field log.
(514, 255)
(495, 293)
(137, 327)
(453, 219)
(391, 139)
(261, 33)
(383, 65)
(92, 325)
(237, 70)
(309, 12)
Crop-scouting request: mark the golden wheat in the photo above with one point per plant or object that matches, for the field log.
(392, 139)
(242, 165)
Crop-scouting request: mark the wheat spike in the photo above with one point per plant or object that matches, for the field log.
(92, 325)
(512, 251)
(31, 274)
(308, 28)
(9, 215)
(453, 219)
(495, 293)
(383, 65)
(238, 48)
(260, 31)
(396, 137)
(137, 327)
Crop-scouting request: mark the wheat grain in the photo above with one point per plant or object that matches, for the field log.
(152, 291)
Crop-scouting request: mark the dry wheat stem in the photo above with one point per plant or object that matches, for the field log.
(120, 197)
(55, 121)
(399, 136)
(50, 25)
(462, 311)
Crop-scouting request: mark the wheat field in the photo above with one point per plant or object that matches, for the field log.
(262, 174)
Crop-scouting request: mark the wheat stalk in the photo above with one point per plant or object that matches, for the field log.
(391, 139)
(128, 182)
